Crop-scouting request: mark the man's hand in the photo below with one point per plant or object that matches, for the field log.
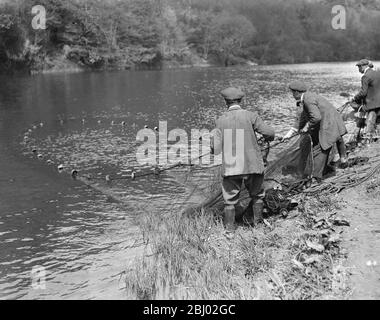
(289, 135)
(285, 138)
(354, 105)
(306, 128)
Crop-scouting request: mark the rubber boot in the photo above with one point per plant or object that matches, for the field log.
(229, 218)
(258, 209)
(239, 212)
(343, 163)
(248, 218)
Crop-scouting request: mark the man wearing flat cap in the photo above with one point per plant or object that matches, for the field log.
(369, 96)
(236, 139)
(321, 120)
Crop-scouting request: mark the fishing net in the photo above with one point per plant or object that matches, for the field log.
(289, 166)
(293, 164)
(100, 159)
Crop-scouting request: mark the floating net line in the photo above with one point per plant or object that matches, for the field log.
(291, 163)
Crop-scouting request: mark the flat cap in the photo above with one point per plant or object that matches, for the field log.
(298, 86)
(232, 94)
(363, 62)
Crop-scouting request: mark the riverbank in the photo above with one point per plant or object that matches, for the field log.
(326, 249)
(361, 240)
(282, 259)
(62, 64)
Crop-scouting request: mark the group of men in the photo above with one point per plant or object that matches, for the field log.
(242, 158)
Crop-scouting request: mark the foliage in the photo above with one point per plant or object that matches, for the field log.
(128, 33)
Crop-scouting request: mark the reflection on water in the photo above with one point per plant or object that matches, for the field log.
(84, 241)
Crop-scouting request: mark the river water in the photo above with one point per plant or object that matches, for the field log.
(83, 241)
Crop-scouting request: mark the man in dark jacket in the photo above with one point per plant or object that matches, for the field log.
(369, 96)
(321, 120)
(242, 163)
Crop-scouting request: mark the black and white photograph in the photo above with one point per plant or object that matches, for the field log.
(190, 150)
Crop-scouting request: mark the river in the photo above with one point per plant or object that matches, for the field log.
(83, 241)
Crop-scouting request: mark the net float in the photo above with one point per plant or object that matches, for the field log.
(74, 174)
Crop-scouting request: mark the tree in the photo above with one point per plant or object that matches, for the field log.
(229, 33)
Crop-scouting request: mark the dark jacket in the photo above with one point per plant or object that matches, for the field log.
(236, 138)
(323, 120)
(369, 95)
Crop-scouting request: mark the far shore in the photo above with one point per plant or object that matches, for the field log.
(78, 69)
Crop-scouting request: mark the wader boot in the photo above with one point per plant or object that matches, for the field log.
(253, 215)
(248, 215)
(239, 212)
(258, 209)
(229, 218)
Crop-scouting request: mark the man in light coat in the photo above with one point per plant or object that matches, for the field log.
(242, 158)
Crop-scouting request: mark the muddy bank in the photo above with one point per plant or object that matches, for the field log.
(361, 240)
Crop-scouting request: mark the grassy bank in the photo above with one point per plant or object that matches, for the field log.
(326, 249)
(296, 258)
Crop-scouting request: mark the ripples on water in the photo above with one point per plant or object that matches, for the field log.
(82, 240)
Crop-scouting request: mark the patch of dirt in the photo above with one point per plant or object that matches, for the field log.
(361, 240)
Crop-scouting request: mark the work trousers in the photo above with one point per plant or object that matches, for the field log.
(371, 121)
(232, 186)
(341, 146)
(320, 160)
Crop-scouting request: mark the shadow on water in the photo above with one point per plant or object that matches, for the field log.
(82, 240)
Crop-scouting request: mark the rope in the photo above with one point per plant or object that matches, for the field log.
(155, 171)
(343, 182)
